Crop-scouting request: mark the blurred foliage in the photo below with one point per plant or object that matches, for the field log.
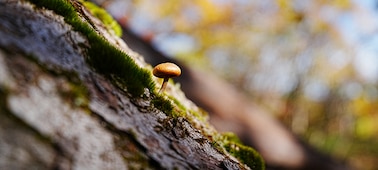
(311, 63)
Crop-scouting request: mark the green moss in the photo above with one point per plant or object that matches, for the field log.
(124, 72)
(164, 105)
(61, 7)
(107, 19)
(108, 60)
(230, 137)
(102, 55)
(172, 107)
(228, 142)
(200, 115)
(247, 155)
(177, 103)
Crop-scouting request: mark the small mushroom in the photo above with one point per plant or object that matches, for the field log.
(166, 71)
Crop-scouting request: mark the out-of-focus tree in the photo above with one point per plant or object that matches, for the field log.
(312, 63)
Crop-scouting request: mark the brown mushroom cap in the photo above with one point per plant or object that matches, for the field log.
(166, 70)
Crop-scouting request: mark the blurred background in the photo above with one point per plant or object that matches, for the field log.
(312, 64)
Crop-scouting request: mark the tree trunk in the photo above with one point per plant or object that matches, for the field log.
(230, 110)
(59, 111)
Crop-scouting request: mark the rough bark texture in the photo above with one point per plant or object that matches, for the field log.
(57, 112)
(231, 110)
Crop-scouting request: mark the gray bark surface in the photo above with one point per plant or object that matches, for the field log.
(56, 112)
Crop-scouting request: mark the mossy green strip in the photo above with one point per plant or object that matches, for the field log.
(105, 57)
(109, 60)
(164, 105)
(245, 154)
(106, 19)
(114, 63)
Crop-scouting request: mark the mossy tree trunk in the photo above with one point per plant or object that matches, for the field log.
(58, 112)
(231, 110)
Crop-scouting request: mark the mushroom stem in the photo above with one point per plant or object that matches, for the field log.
(163, 85)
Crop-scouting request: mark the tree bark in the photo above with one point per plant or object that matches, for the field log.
(58, 112)
(230, 110)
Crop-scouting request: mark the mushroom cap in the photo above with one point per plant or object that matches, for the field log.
(166, 70)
